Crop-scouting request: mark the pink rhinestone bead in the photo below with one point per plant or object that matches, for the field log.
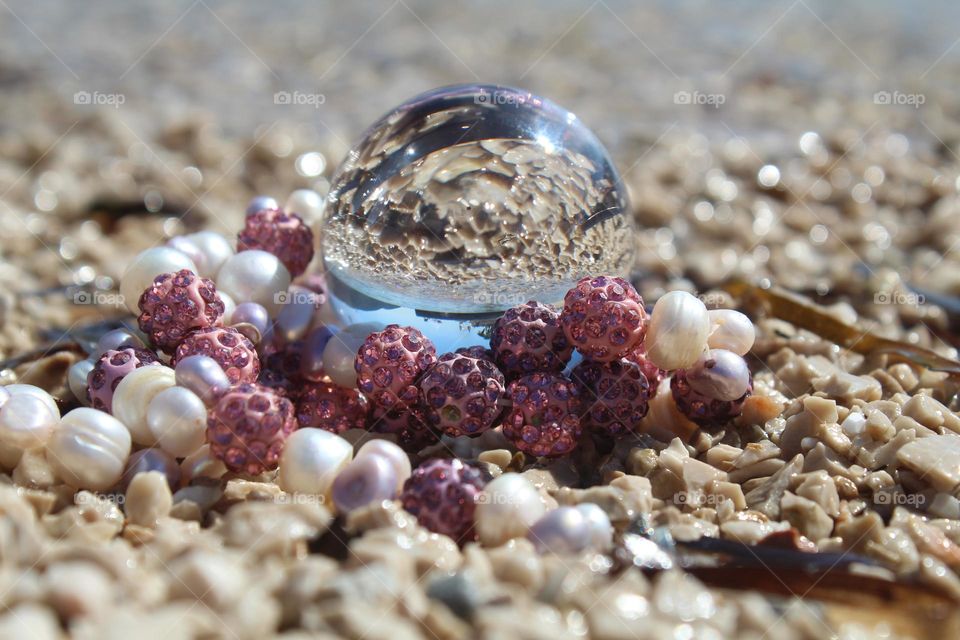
(653, 373)
(280, 369)
(528, 338)
(603, 318)
(462, 395)
(230, 348)
(285, 235)
(324, 405)
(390, 362)
(175, 304)
(614, 395)
(699, 408)
(110, 369)
(247, 428)
(544, 419)
(442, 494)
(477, 351)
(408, 425)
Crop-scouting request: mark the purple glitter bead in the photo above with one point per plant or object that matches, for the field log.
(544, 419)
(408, 425)
(528, 338)
(442, 494)
(653, 373)
(701, 409)
(280, 367)
(614, 395)
(285, 235)
(324, 405)
(390, 362)
(110, 369)
(230, 348)
(247, 428)
(462, 395)
(603, 318)
(175, 304)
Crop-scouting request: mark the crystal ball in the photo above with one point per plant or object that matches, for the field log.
(475, 198)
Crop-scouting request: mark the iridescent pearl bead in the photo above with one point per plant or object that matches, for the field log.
(152, 460)
(720, 375)
(254, 276)
(306, 203)
(37, 392)
(677, 335)
(340, 353)
(260, 203)
(77, 380)
(506, 509)
(310, 461)
(311, 354)
(731, 330)
(203, 376)
(26, 421)
(115, 340)
(208, 250)
(133, 395)
(371, 478)
(601, 530)
(201, 464)
(297, 313)
(251, 318)
(177, 419)
(147, 266)
(561, 531)
(392, 452)
(90, 449)
(229, 306)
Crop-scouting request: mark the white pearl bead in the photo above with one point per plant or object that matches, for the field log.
(90, 449)
(26, 421)
(392, 452)
(213, 250)
(133, 395)
(731, 330)
(201, 464)
(115, 340)
(720, 374)
(306, 203)
(506, 509)
(678, 330)
(341, 352)
(37, 392)
(177, 419)
(364, 481)
(229, 306)
(311, 460)
(254, 276)
(563, 530)
(77, 380)
(297, 313)
(147, 266)
(601, 530)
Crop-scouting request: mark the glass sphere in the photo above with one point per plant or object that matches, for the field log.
(473, 199)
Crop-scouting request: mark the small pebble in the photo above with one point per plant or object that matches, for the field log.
(148, 499)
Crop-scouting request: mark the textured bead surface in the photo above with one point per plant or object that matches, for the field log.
(247, 428)
(544, 419)
(701, 409)
(310, 461)
(280, 368)
(603, 317)
(283, 234)
(175, 304)
(110, 369)
(390, 362)
(33, 390)
(653, 373)
(116, 339)
(26, 421)
(442, 494)
(408, 425)
(90, 449)
(528, 338)
(677, 335)
(613, 395)
(145, 267)
(232, 350)
(133, 396)
(324, 405)
(462, 395)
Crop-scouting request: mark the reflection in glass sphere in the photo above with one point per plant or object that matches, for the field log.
(472, 199)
